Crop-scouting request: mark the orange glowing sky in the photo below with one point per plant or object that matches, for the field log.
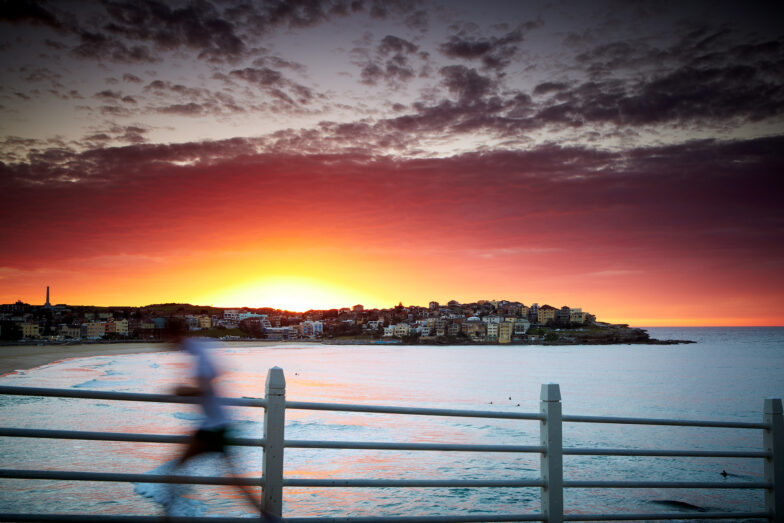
(320, 159)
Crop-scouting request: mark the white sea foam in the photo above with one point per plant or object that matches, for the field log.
(173, 498)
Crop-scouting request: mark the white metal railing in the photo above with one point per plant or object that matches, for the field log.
(551, 481)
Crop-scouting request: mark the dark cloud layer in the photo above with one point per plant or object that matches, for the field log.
(125, 31)
(700, 185)
(493, 52)
(392, 63)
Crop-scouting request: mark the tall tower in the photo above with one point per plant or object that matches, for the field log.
(47, 297)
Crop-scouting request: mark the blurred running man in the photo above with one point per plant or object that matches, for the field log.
(212, 432)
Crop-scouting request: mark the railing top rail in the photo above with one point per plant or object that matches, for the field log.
(474, 518)
(374, 409)
(671, 516)
(117, 436)
(668, 484)
(416, 411)
(61, 518)
(122, 396)
(663, 421)
(378, 445)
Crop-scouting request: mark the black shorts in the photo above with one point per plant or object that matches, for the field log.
(214, 440)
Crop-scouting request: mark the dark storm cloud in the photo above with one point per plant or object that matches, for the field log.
(466, 83)
(392, 63)
(128, 32)
(371, 74)
(196, 25)
(475, 106)
(96, 46)
(275, 84)
(131, 134)
(393, 44)
(172, 98)
(28, 11)
(493, 52)
(707, 80)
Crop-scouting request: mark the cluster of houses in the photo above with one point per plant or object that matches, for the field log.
(485, 321)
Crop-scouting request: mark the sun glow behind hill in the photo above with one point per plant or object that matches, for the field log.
(292, 293)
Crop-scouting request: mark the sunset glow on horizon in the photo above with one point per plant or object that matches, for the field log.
(624, 159)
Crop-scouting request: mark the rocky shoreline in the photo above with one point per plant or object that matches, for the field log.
(597, 334)
(609, 334)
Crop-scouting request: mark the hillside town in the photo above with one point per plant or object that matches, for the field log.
(484, 321)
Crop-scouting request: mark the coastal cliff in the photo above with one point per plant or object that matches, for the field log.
(608, 334)
(599, 333)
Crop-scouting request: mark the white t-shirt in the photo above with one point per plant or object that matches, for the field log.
(205, 372)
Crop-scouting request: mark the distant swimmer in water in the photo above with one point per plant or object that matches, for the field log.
(724, 473)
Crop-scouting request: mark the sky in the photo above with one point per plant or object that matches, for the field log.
(623, 157)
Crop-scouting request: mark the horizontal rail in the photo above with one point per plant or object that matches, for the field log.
(473, 518)
(417, 411)
(665, 453)
(414, 483)
(117, 436)
(66, 475)
(669, 484)
(210, 480)
(306, 444)
(663, 421)
(79, 518)
(291, 482)
(672, 516)
(363, 445)
(123, 396)
(68, 518)
(378, 409)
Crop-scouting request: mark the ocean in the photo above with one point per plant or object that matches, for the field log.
(725, 376)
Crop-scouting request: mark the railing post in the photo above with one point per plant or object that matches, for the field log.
(773, 442)
(272, 466)
(550, 431)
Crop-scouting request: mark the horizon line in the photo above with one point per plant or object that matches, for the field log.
(643, 326)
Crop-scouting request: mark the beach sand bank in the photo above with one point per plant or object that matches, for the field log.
(24, 357)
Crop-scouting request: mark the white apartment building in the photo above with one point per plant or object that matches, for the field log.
(402, 329)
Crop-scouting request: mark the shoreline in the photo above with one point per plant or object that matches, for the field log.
(14, 358)
(26, 356)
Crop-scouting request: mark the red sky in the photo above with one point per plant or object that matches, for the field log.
(637, 176)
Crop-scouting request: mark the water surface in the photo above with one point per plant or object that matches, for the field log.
(724, 376)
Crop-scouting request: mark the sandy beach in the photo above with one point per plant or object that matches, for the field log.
(24, 357)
